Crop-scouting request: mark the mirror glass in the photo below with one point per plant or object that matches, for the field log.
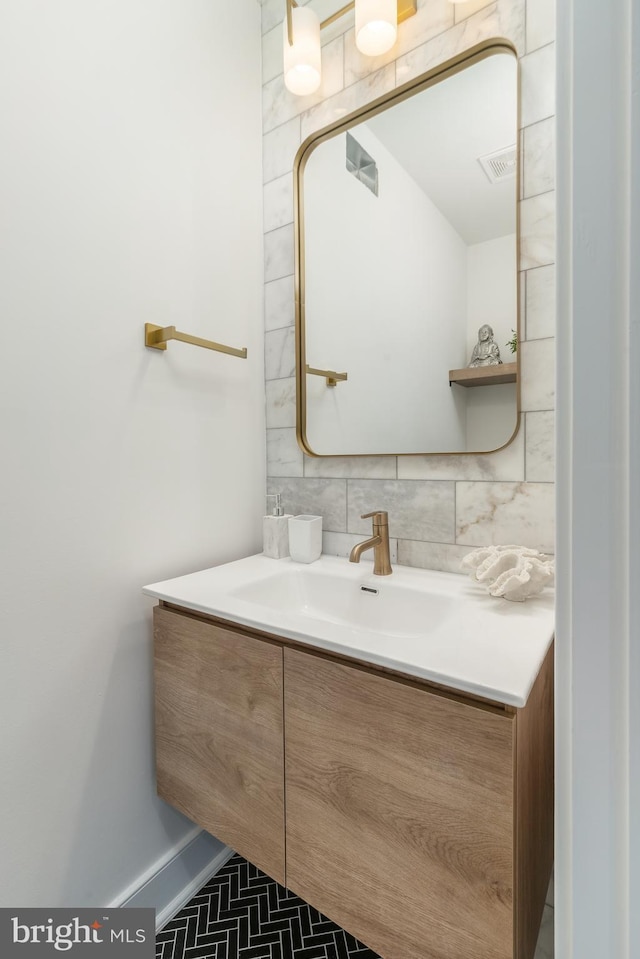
(406, 222)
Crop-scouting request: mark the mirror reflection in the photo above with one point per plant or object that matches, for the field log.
(407, 231)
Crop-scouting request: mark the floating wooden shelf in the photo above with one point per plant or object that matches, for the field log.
(484, 375)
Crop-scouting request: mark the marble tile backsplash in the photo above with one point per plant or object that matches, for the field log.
(439, 507)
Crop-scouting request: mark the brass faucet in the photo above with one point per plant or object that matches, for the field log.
(379, 542)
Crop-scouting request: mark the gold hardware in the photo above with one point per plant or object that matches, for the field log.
(157, 337)
(331, 376)
(379, 542)
(406, 9)
(290, 5)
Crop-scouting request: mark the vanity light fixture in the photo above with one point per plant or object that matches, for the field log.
(376, 30)
(302, 64)
(376, 26)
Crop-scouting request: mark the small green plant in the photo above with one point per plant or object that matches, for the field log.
(513, 342)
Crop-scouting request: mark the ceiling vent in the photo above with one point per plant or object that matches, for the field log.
(363, 166)
(500, 165)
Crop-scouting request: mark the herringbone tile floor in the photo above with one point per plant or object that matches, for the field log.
(242, 914)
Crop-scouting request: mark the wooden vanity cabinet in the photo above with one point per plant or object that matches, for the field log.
(399, 812)
(419, 819)
(219, 733)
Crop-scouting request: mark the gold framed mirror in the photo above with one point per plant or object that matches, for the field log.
(406, 230)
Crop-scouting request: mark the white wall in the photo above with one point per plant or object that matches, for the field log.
(492, 294)
(492, 297)
(418, 306)
(130, 192)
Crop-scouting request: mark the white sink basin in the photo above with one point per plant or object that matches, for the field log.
(371, 604)
(437, 626)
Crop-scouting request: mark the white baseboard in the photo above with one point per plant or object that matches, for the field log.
(155, 867)
(177, 880)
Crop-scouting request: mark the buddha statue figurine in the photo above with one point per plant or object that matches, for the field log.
(486, 352)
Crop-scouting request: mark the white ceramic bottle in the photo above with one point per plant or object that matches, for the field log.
(275, 531)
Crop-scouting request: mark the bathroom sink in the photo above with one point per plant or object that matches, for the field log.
(361, 602)
(437, 626)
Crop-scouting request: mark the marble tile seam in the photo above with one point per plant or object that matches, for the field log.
(272, 180)
(537, 123)
(533, 196)
(423, 482)
(440, 482)
(279, 329)
(407, 479)
(543, 46)
(277, 379)
(497, 482)
(275, 229)
(544, 266)
(540, 46)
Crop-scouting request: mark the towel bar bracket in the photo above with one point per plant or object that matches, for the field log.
(157, 337)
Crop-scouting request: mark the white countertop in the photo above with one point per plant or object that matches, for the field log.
(470, 641)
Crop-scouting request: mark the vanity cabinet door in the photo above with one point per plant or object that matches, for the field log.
(219, 735)
(399, 812)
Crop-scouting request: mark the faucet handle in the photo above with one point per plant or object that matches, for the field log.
(380, 517)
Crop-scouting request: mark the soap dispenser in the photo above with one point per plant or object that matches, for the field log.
(275, 531)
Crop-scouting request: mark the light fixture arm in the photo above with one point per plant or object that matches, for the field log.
(290, 5)
(406, 9)
(337, 15)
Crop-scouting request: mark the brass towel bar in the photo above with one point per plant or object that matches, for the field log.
(331, 376)
(157, 338)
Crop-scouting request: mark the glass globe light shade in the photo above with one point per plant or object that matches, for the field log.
(302, 63)
(376, 26)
